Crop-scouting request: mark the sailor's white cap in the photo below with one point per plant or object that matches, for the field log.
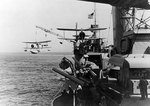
(79, 87)
(86, 55)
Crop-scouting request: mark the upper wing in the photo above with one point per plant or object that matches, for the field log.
(68, 29)
(38, 42)
(88, 29)
(94, 29)
(31, 42)
(67, 38)
(93, 38)
(44, 41)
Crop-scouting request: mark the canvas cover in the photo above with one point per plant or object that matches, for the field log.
(140, 47)
(125, 3)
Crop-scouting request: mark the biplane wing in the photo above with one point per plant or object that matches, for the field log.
(67, 38)
(69, 29)
(84, 39)
(38, 42)
(94, 29)
(44, 47)
(44, 41)
(78, 35)
(31, 42)
(94, 38)
(88, 29)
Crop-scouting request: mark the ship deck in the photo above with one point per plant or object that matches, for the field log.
(135, 101)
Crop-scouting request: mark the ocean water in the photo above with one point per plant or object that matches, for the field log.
(28, 80)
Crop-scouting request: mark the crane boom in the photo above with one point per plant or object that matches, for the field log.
(49, 31)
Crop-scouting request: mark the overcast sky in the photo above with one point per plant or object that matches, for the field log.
(18, 19)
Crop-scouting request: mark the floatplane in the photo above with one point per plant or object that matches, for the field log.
(35, 47)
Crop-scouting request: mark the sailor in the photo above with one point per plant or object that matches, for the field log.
(65, 64)
(92, 65)
(102, 47)
(112, 51)
(82, 63)
(143, 88)
(32, 46)
(77, 44)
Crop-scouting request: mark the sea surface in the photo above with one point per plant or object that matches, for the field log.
(28, 80)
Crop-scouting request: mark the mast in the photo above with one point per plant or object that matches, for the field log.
(76, 28)
(95, 14)
(94, 25)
